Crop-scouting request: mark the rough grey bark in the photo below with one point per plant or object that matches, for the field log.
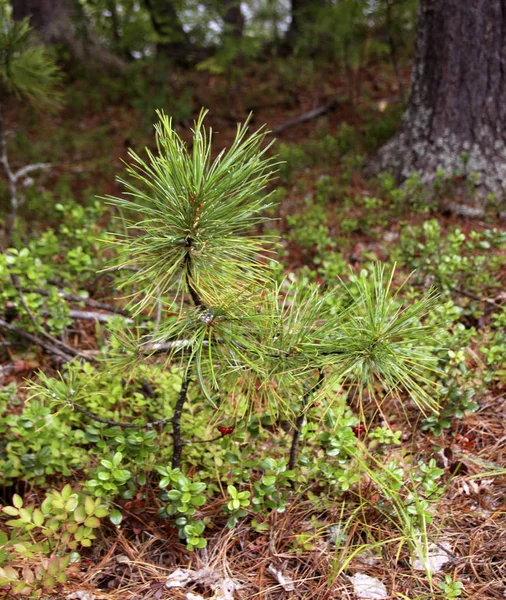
(57, 21)
(457, 104)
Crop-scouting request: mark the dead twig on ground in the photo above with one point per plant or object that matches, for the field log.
(312, 114)
(88, 301)
(49, 347)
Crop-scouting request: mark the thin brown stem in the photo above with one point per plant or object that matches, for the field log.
(299, 422)
(112, 423)
(177, 442)
(196, 299)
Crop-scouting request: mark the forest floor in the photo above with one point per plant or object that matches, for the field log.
(330, 218)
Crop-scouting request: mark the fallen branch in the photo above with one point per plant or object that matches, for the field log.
(312, 114)
(96, 316)
(55, 342)
(477, 298)
(88, 301)
(28, 169)
(51, 348)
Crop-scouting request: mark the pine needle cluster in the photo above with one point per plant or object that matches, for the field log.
(195, 212)
(26, 69)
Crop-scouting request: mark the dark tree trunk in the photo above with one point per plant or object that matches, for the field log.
(114, 22)
(392, 45)
(455, 120)
(233, 18)
(173, 41)
(297, 10)
(302, 12)
(63, 22)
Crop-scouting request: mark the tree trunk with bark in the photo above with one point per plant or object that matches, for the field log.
(233, 18)
(298, 10)
(173, 41)
(63, 22)
(455, 120)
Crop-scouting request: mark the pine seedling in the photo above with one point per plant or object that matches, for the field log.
(231, 328)
(195, 252)
(26, 72)
(376, 339)
(233, 331)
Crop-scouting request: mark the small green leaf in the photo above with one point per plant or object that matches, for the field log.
(38, 517)
(164, 482)
(71, 503)
(269, 480)
(101, 511)
(89, 505)
(11, 511)
(25, 515)
(121, 474)
(116, 517)
(46, 506)
(65, 493)
(92, 522)
(17, 501)
(79, 514)
(198, 500)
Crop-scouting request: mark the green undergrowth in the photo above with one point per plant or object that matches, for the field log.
(106, 429)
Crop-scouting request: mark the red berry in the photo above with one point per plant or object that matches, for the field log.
(225, 430)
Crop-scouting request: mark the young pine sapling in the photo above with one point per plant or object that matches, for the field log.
(240, 338)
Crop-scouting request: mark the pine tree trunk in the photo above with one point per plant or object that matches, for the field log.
(56, 22)
(298, 8)
(455, 120)
(233, 18)
(173, 42)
